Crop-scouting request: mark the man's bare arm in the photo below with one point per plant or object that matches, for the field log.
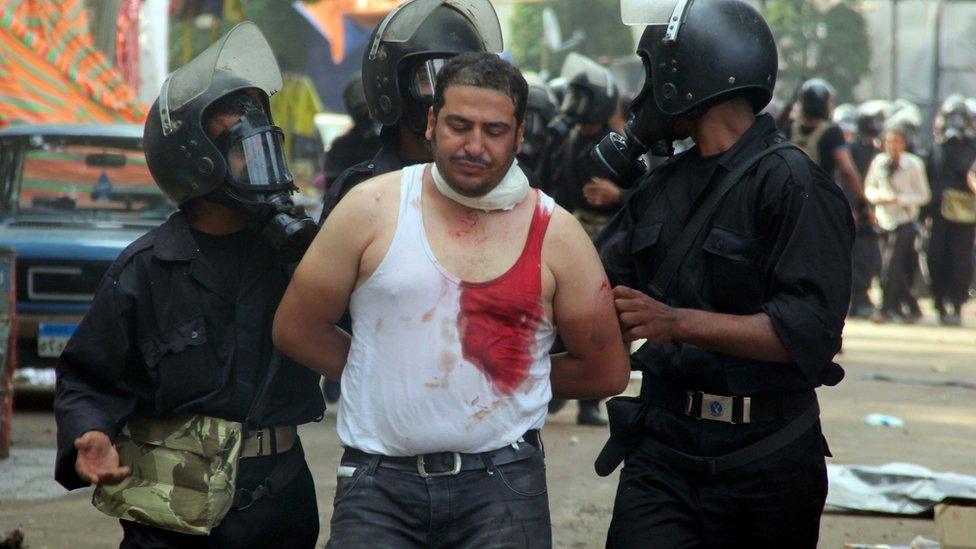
(305, 323)
(596, 363)
(848, 172)
(745, 336)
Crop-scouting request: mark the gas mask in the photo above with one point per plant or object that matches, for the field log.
(422, 81)
(535, 134)
(957, 126)
(572, 112)
(259, 184)
(619, 158)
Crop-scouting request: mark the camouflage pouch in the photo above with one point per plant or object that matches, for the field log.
(183, 473)
(958, 206)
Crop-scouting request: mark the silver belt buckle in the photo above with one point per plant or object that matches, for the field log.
(422, 471)
(716, 408)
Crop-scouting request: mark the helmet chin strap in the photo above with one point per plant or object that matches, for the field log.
(510, 191)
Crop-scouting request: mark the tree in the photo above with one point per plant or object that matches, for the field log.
(830, 44)
(606, 36)
(284, 28)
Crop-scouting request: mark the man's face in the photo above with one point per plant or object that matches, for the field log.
(474, 138)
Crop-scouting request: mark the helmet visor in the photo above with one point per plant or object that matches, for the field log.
(647, 12)
(424, 79)
(581, 70)
(242, 52)
(402, 23)
(257, 162)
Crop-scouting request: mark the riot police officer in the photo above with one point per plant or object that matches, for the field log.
(583, 121)
(361, 142)
(540, 109)
(869, 120)
(733, 261)
(824, 142)
(953, 211)
(179, 331)
(400, 64)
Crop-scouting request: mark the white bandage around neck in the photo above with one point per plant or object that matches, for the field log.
(512, 190)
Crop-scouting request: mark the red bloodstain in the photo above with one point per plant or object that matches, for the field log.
(498, 319)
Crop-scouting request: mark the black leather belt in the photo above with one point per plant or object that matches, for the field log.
(439, 464)
(728, 409)
(718, 464)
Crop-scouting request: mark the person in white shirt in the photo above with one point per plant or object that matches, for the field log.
(897, 186)
(456, 275)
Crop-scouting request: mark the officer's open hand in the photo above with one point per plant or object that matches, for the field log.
(98, 460)
(643, 317)
(601, 192)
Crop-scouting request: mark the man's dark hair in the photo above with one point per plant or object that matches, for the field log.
(483, 70)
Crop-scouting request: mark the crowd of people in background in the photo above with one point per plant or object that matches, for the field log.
(915, 208)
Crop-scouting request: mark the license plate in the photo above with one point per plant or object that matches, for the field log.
(51, 339)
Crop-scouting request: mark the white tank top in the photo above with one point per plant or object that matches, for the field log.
(440, 364)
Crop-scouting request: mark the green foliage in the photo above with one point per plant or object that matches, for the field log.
(832, 45)
(606, 36)
(284, 28)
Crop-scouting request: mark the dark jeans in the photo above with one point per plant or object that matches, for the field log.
(379, 507)
(951, 261)
(775, 501)
(901, 263)
(289, 519)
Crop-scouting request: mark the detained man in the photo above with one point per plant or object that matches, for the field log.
(457, 275)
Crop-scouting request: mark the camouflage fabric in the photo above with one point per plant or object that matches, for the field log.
(183, 473)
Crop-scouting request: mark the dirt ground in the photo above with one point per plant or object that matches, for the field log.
(939, 433)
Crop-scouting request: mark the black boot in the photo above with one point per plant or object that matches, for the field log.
(555, 405)
(589, 414)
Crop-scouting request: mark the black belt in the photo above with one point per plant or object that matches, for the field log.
(728, 409)
(738, 458)
(439, 464)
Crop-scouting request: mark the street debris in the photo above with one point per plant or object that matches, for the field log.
(896, 488)
(882, 420)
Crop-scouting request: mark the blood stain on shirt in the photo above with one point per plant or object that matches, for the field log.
(498, 320)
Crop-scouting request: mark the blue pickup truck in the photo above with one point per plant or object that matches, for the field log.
(72, 197)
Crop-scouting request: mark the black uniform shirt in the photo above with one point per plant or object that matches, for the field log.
(862, 153)
(955, 157)
(386, 160)
(777, 244)
(357, 145)
(173, 328)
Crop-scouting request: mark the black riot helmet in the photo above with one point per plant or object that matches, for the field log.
(411, 44)
(540, 108)
(243, 167)
(182, 159)
(954, 119)
(354, 99)
(871, 118)
(696, 54)
(590, 98)
(816, 98)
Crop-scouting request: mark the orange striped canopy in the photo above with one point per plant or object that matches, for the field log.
(50, 70)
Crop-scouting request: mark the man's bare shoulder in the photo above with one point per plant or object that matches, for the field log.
(564, 229)
(565, 239)
(369, 198)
